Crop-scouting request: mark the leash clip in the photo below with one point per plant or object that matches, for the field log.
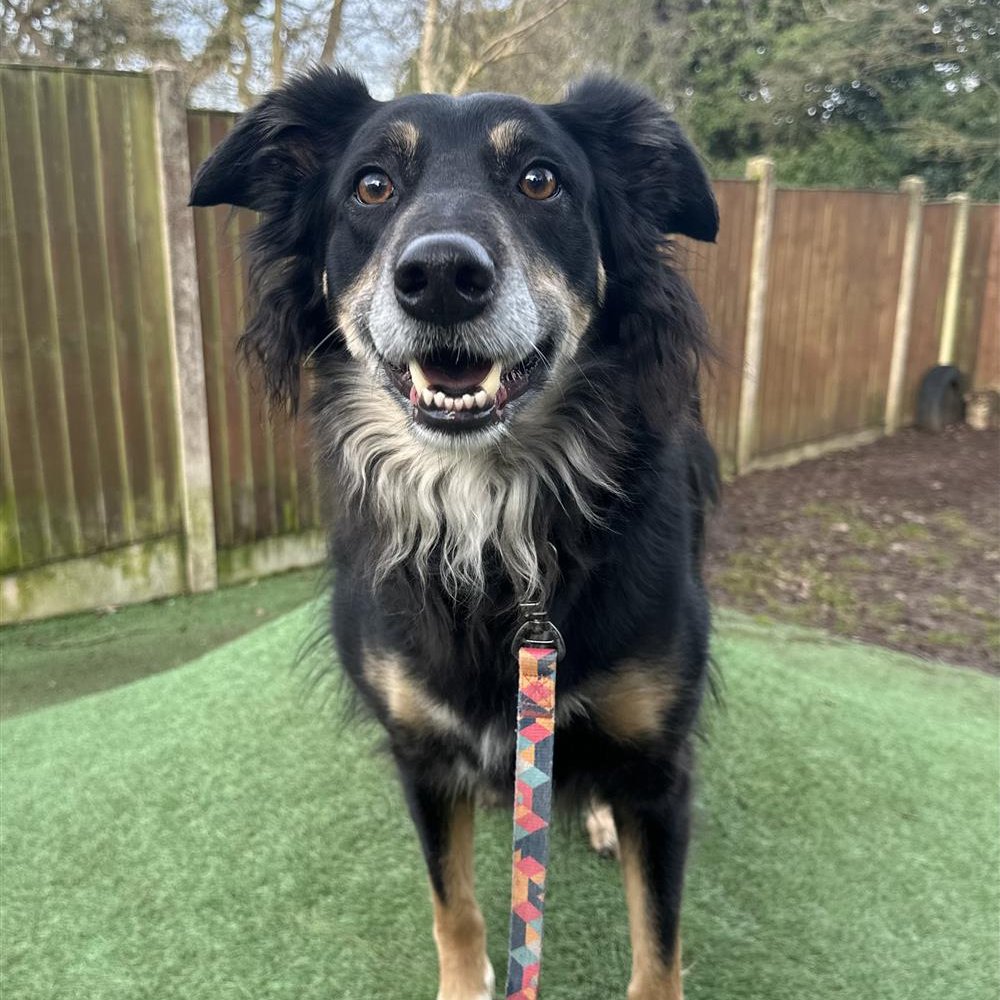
(536, 629)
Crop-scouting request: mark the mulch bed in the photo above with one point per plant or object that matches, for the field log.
(896, 543)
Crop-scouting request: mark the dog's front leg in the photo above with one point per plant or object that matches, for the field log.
(445, 826)
(653, 841)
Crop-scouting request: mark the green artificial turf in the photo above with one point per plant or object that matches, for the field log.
(210, 833)
(47, 662)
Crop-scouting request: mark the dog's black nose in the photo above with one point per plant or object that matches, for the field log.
(444, 278)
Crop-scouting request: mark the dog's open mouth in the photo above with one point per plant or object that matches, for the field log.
(455, 392)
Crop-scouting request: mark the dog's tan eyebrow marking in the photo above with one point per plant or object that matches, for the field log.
(403, 137)
(505, 136)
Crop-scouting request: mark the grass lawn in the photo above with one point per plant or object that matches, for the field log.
(210, 833)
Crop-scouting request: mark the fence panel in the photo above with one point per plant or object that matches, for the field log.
(720, 276)
(89, 441)
(984, 223)
(830, 313)
(263, 479)
(986, 373)
(90, 462)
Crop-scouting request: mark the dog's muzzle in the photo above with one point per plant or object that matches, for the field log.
(448, 286)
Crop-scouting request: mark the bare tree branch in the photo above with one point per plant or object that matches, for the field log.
(503, 45)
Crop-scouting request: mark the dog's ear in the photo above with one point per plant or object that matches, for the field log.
(643, 163)
(650, 183)
(278, 160)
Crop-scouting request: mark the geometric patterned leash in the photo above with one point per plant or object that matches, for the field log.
(536, 719)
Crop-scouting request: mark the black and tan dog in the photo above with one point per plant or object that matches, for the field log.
(505, 404)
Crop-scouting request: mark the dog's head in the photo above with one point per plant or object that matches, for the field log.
(462, 250)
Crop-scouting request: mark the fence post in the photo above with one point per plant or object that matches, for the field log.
(761, 170)
(190, 402)
(956, 273)
(913, 188)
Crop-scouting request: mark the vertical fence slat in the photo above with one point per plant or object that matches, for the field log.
(30, 262)
(91, 460)
(115, 133)
(829, 308)
(187, 403)
(27, 471)
(141, 333)
(986, 373)
(68, 346)
(205, 227)
(69, 515)
(152, 272)
(11, 552)
(111, 333)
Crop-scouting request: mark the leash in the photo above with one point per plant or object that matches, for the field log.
(538, 647)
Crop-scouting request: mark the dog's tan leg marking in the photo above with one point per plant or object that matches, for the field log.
(406, 701)
(601, 830)
(459, 928)
(652, 977)
(631, 703)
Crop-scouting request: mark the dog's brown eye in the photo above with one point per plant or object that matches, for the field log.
(538, 183)
(374, 188)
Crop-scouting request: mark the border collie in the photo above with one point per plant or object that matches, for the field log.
(504, 406)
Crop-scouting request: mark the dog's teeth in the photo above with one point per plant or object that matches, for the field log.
(470, 401)
(449, 403)
(439, 399)
(481, 398)
(459, 404)
(492, 381)
(428, 397)
(417, 374)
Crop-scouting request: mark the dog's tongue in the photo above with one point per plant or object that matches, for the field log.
(455, 375)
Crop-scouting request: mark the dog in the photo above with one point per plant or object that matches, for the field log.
(505, 405)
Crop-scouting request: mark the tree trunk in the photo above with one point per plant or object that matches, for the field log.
(333, 26)
(426, 70)
(277, 46)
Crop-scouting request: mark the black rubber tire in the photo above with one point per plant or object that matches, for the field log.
(941, 400)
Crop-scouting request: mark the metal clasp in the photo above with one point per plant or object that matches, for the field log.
(536, 629)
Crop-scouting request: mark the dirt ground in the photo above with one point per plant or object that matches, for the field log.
(896, 543)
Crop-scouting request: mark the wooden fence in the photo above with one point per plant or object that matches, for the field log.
(263, 482)
(122, 402)
(89, 462)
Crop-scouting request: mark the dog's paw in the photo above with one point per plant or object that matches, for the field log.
(601, 830)
(476, 993)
